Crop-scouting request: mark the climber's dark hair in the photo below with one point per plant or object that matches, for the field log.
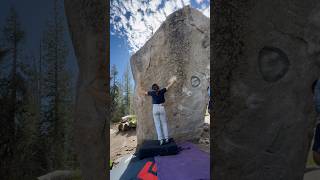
(314, 85)
(155, 87)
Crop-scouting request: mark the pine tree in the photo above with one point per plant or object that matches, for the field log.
(114, 89)
(2, 54)
(57, 90)
(114, 92)
(127, 90)
(14, 36)
(13, 98)
(121, 94)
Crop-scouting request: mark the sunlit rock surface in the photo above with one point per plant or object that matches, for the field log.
(180, 47)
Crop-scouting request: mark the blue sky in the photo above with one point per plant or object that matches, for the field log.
(33, 15)
(119, 53)
(133, 22)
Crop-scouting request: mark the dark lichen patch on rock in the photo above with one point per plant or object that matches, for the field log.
(273, 63)
(195, 81)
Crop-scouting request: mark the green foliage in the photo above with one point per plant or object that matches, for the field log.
(310, 162)
(133, 121)
(12, 31)
(2, 54)
(36, 103)
(121, 94)
(58, 106)
(17, 139)
(111, 164)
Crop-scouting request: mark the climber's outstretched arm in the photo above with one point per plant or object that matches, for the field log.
(171, 82)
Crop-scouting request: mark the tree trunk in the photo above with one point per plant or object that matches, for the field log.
(39, 80)
(57, 122)
(87, 26)
(13, 80)
(263, 66)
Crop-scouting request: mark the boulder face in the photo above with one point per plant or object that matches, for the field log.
(181, 48)
(263, 68)
(87, 27)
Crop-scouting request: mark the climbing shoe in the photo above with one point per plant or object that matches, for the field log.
(161, 142)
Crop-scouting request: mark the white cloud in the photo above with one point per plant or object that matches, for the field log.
(206, 11)
(154, 4)
(199, 1)
(138, 20)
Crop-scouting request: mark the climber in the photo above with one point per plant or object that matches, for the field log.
(316, 144)
(159, 114)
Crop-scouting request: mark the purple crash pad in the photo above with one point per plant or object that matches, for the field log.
(190, 164)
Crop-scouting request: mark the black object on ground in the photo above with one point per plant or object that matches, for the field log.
(151, 148)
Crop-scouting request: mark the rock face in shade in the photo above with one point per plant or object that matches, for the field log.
(180, 47)
(87, 22)
(312, 175)
(263, 68)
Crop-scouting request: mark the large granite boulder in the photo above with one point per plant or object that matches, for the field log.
(180, 47)
(264, 63)
(87, 26)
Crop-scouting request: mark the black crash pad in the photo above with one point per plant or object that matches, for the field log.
(151, 148)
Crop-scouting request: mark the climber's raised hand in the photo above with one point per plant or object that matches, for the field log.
(171, 81)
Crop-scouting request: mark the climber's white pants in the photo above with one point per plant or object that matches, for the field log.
(160, 120)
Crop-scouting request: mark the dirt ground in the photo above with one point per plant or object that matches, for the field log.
(123, 143)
